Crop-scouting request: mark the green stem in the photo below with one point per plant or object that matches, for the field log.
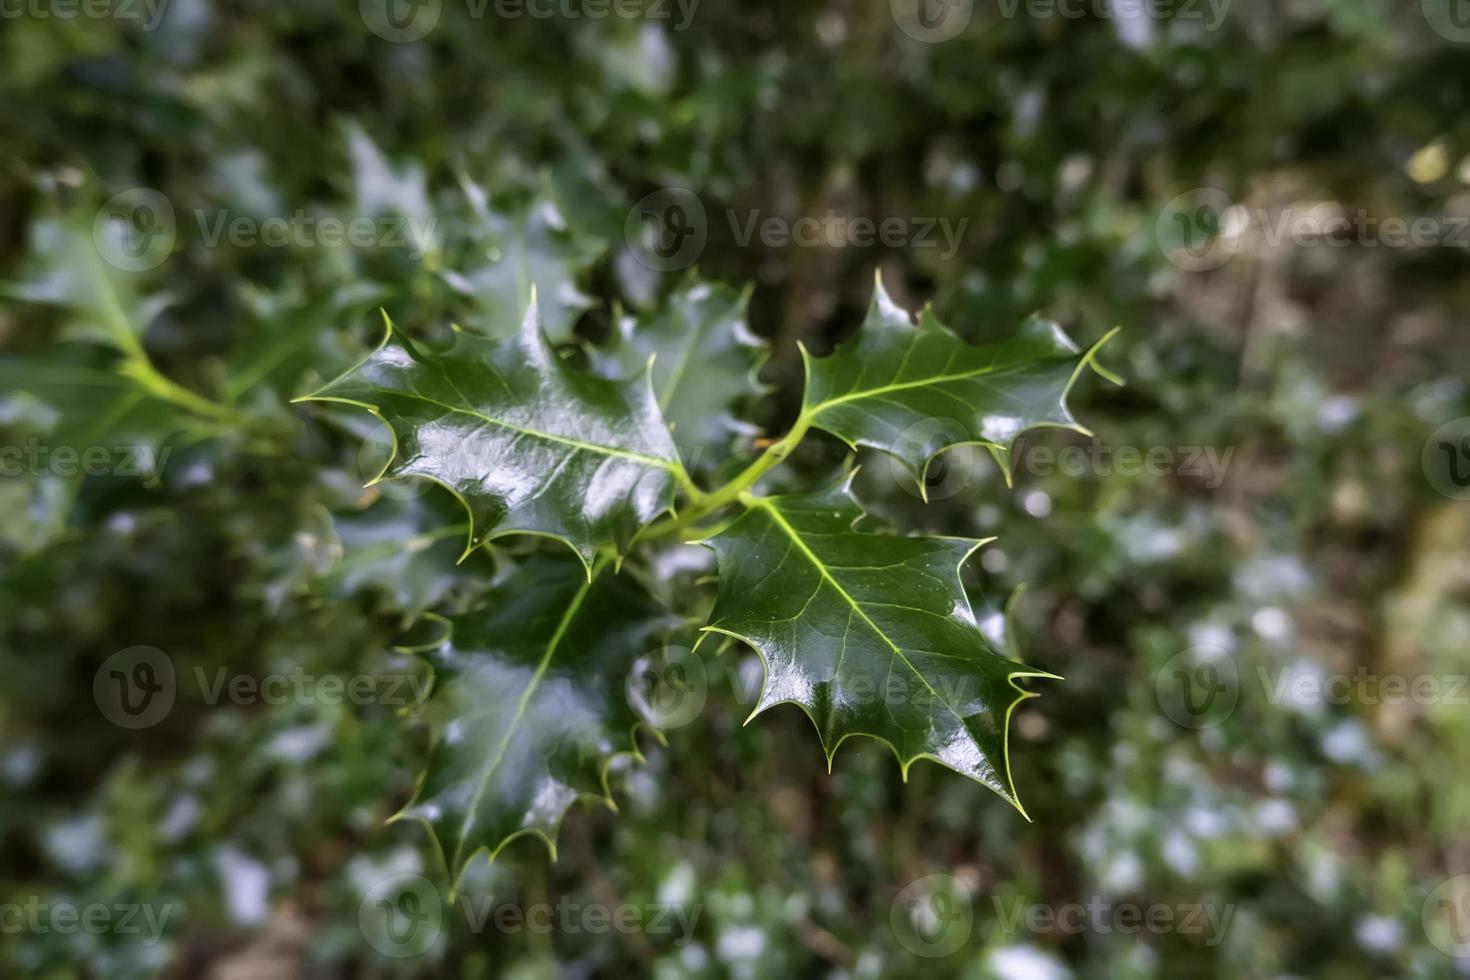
(136, 363)
(141, 370)
(702, 505)
(687, 484)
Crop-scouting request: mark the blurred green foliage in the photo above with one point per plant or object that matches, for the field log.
(511, 150)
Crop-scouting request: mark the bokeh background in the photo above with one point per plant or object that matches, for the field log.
(1263, 739)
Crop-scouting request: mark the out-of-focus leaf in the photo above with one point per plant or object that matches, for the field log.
(401, 549)
(293, 335)
(704, 363)
(66, 268)
(381, 189)
(64, 415)
(515, 247)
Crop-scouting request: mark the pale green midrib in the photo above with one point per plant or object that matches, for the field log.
(821, 567)
(905, 385)
(551, 645)
(574, 443)
(676, 377)
(114, 315)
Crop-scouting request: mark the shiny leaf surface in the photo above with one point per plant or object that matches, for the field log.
(529, 705)
(915, 391)
(870, 634)
(527, 443)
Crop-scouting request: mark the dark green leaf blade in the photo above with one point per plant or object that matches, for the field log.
(403, 551)
(528, 444)
(530, 707)
(870, 634)
(290, 334)
(915, 391)
(706, 361)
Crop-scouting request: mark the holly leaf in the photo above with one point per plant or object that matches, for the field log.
(870, 634)
(66, 414)
(521, 246)
(402, 550)
(381, 189)
(291, 334)
(525, 442)
(529, 706)
(706, 362)
(67, 267)
(915, 391)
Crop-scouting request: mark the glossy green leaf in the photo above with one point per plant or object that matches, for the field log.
(915, 391)
(527, 443)
(704, 364)
(529, 705)
(870, 634)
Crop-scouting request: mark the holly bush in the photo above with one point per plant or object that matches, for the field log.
(425, 426)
